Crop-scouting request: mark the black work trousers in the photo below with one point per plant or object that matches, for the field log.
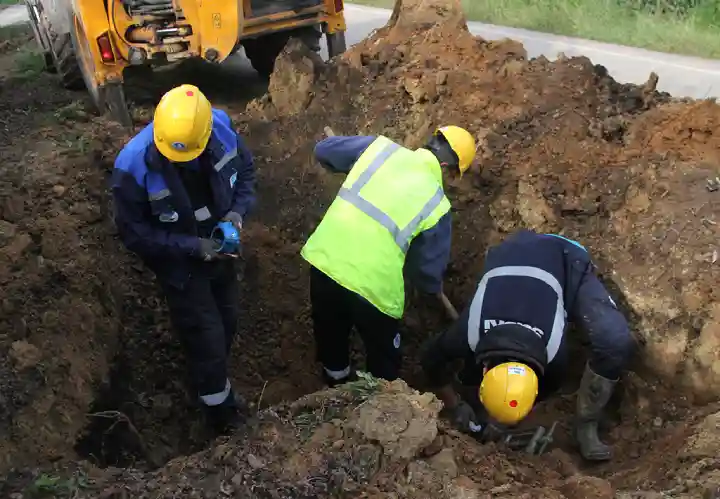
(335, 310)
(204, 312)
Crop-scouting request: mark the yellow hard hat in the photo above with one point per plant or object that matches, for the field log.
(461, 142)
(508, 392)
(182, 123)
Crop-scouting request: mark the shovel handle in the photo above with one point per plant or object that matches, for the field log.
(448, 306)
(328, 131)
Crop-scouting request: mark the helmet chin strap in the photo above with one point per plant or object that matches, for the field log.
(442, 151)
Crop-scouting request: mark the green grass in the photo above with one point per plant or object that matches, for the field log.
(9, 2)
(29, 64)
(57, 487)
(689, 27)
(14, 32)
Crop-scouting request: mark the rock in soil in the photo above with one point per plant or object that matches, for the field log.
(563, 148)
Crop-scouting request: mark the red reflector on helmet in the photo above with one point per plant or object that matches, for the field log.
(513, 403)
(106, 51)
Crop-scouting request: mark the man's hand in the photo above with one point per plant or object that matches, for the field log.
(464, 418)
(207, 251)
(235, 218)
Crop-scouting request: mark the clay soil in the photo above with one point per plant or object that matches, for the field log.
(92, 382)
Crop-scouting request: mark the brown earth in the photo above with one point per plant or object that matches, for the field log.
(377, 440)
(94, 371)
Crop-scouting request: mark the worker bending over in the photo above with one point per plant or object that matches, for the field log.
(512, 338)
(391, 208)
(172, 184)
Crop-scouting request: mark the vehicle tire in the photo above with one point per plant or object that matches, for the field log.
(310, 36)
(109, 97)
(66, 64)
(336, 43)
(263, 51)
(113, 99)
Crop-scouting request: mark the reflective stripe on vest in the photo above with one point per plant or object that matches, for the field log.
(402, 237)
(388, 197)
(476, 307)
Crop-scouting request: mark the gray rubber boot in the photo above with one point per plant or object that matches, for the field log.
(593, 395)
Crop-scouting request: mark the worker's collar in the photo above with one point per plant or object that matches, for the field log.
(156, 161)
(433, 162)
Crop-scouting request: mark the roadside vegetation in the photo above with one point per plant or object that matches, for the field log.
(689, 27)
(29, 64)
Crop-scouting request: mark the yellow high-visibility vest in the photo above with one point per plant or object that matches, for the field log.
(390, 196)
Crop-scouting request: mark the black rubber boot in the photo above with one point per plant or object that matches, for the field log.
(228, 416)
(593, 395)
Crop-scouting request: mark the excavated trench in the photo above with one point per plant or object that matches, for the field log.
(94, 370)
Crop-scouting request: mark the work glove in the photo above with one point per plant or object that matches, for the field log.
(493, 432)
(235, 218)
(464, 418)
(207, 250)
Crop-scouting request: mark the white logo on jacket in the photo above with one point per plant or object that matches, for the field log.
(491, 323)
(233, 178)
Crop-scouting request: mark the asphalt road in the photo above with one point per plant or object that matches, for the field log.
(680, 75)
(13, 15)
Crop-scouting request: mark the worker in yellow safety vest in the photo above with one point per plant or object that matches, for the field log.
(390, 215)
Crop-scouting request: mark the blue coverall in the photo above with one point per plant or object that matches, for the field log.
(162, 210)
(532, 283)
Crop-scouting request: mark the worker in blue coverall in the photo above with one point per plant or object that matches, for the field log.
(172, 183)
(512, 338)
(390, 215)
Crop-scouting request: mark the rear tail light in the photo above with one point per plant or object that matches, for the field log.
(106, 51)
(339, 5)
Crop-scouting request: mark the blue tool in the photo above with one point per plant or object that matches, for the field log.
(226, 238)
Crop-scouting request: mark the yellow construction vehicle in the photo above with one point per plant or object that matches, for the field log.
(89, 43)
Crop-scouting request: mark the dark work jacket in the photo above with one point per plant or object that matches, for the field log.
(515, 313)
(153, 211)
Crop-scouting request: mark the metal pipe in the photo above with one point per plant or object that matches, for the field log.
(162, 32)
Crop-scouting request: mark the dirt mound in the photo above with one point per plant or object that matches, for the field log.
(562, 148)
(379, 440)
(60, 294)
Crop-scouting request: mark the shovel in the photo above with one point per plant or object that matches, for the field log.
(451, 311)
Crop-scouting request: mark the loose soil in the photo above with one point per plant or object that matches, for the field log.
(93, 384)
